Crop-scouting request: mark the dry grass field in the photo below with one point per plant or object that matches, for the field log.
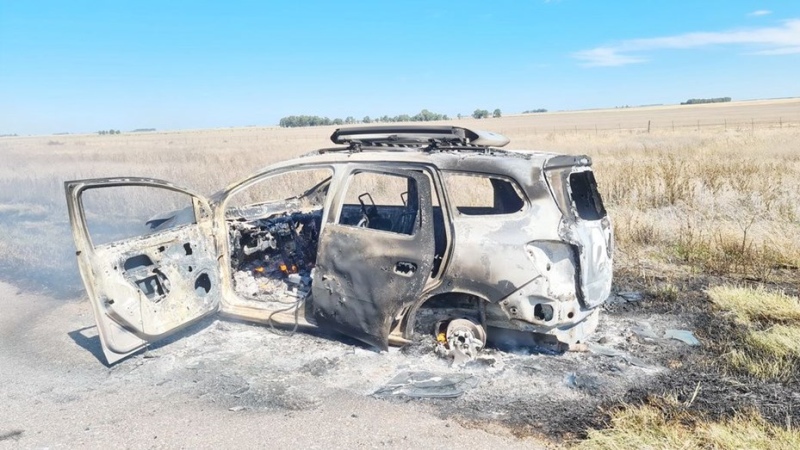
(705, 204)
(718, 199)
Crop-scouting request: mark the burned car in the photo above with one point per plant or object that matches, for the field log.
(391, 226)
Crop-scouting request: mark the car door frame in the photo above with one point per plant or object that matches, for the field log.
(423, 232)
(120, 339)
(231, 304)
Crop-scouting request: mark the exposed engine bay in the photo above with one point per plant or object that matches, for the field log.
(272, 258)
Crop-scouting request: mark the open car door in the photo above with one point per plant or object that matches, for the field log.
(145, 287)
(375, 254)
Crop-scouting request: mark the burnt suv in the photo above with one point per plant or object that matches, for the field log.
(433, 228)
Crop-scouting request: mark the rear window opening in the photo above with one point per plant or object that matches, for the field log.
(481, 195)
(585, 196)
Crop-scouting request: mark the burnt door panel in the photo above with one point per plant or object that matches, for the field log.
(369, 270)
(162, 276)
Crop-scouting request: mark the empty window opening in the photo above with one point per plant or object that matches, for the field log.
(380, 201)
(116, 213)
(479, 195)
(585, 196)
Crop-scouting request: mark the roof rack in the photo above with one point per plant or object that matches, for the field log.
(416, 135)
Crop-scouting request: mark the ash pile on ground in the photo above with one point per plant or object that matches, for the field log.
(527, 390)
(245, 370)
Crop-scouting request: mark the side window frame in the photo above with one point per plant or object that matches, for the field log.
(200, 211)
(454, 208)
(233, 190)
(343, 190)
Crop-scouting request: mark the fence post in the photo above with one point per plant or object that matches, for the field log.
(780, 120)
(673, 125)
(752, 124)
(595, 129)
(648, 126)
(726, 124)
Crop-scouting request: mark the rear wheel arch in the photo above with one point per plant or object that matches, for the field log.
(454, 301)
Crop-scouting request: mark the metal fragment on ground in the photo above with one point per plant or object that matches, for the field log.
(632, 296)
(427, 385)
(625, 297)
(644, 330)
(585, 382)
(598, 349)
(684, 336)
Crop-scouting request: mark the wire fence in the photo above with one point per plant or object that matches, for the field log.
(650, 126)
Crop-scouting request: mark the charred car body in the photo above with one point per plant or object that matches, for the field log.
(361, 239)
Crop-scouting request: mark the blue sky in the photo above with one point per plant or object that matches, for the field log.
(78, 66)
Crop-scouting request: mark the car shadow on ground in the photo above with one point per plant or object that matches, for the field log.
(88, 339)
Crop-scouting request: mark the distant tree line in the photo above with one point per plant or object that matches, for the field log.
(697, 101)
(104, 132)
(313, 121)
(143, 130)
(532, 111)
(484, 113)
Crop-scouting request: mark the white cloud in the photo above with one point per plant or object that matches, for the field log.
(760, 12)
(605, 56)
(779, 51)
(779, 40)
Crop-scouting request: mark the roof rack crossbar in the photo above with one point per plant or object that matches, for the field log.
(418, 135)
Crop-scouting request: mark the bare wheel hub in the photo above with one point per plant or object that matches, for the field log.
(463, 339)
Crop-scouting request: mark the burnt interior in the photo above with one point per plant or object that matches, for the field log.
(273, 256)
(273, 246)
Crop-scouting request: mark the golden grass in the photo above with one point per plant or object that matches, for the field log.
(756, 304)
(718, 198)
(770, 354)
(648, 427)
(768, 347)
